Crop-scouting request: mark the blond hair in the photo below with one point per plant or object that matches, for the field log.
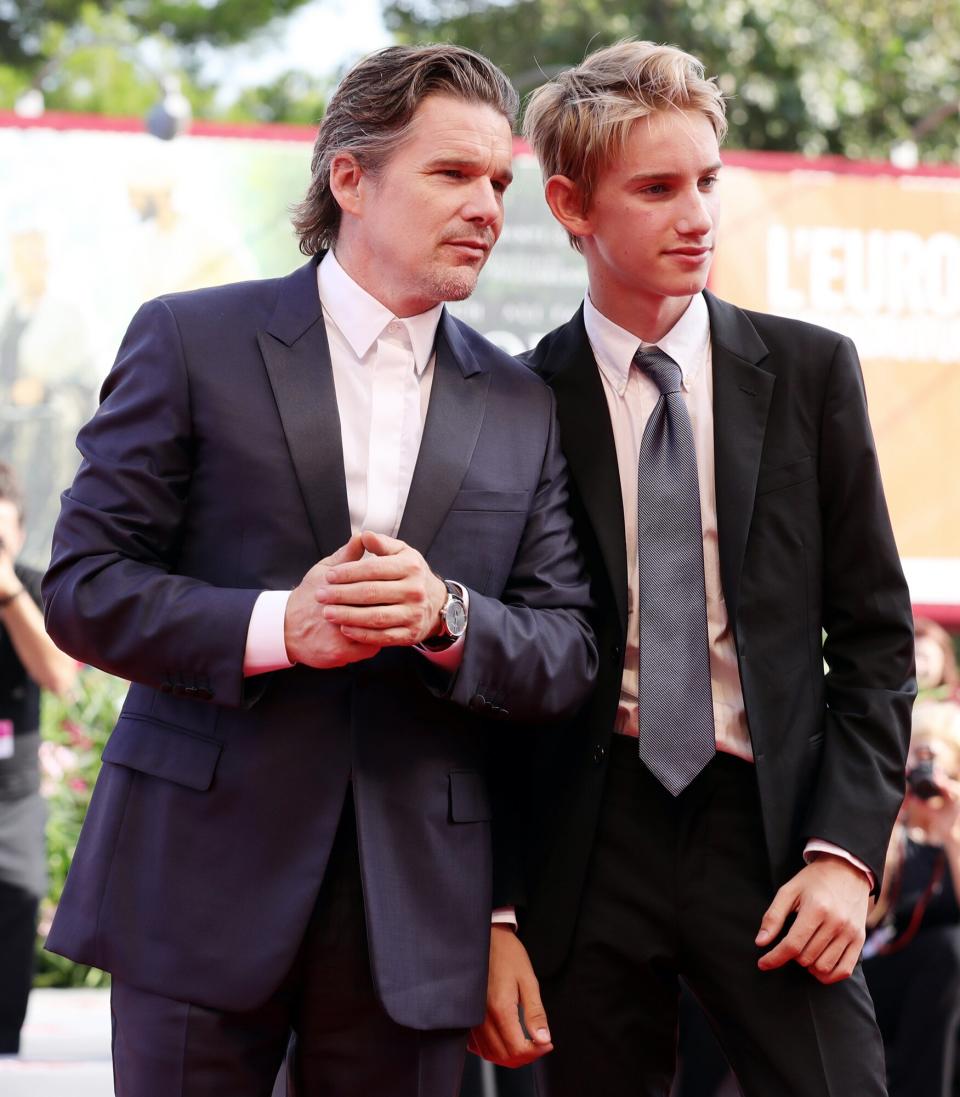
(580, 121)
(371, 114)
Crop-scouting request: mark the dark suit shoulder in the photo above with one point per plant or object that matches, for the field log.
(253, 300)
(506, 369)
(551, 354)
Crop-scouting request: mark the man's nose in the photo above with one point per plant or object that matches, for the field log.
(696, 218)
(484, 204)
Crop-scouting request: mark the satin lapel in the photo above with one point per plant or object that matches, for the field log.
(458, 399)
(741, 401)
(591, 453)
(297, 359)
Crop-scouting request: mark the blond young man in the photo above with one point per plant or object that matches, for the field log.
(720, 810)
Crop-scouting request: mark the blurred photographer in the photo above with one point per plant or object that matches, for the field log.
(29, 662)
(912, 954)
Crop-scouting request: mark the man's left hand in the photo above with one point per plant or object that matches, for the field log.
(389, 598)
(829, 898)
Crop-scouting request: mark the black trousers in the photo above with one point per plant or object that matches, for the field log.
(345, 1046)
(18, 929)
(917, 995)
(678, 887)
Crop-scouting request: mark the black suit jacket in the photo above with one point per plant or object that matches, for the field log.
(212, 471)
(805, 549)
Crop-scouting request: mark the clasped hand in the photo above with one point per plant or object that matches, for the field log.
(350, 605)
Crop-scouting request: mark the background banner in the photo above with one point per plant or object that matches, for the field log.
(97, 217)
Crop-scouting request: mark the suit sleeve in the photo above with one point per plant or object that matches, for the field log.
(867, 618)
(112, 596)
(530, 654)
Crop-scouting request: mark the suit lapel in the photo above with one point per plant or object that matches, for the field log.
(742, 391)
(590, 450)
(458, 399)
(297, 358)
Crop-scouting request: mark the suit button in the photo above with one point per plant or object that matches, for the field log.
(478, 702)
(615, 654)
(599, 753)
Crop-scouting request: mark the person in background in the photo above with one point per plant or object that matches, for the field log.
(938, 676)
(912, 954)
(29, 662)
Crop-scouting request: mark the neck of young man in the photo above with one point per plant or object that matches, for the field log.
(648, 316)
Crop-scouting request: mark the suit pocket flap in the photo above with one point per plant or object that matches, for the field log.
(469, 798)
(491, 500)
(163, 751)
(785, 476)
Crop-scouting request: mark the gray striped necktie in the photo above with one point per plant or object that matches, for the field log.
(675, 700)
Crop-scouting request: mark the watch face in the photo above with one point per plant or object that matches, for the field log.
(455, 616)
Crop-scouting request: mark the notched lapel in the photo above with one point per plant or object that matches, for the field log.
(591, 452)
(297, 359)
(742, 392)
(458, 400)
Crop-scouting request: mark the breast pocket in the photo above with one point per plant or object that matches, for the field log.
(499, 501)
(779, 476)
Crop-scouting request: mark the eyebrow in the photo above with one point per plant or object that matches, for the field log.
(459, 162)
(651, 176)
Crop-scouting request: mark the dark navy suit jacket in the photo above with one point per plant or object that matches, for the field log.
(213, 470)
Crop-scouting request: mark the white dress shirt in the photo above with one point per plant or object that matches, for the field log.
(382, 372)
(631, 397)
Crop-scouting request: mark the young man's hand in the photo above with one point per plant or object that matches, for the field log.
(829, 898)
(511, 985)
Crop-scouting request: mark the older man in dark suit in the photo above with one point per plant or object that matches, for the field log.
(292, 825)
(722, 808)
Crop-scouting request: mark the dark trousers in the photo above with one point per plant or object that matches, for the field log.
(18, 929)
(346, 1045)
(678, 887)
(917, 995)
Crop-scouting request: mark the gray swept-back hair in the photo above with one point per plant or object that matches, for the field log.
(371, 113)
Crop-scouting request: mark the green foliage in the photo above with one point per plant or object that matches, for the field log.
(108, 58)
(819, 76)
(294, 97)
(25, 24)
(74, 732)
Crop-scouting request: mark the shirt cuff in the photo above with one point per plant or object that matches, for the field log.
(504, 916)
(818, 845)
(450, 658)
(266, 649)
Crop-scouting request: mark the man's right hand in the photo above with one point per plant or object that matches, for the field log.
(511, 985)
(309, 637)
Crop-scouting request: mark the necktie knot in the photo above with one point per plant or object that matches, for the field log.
(660, 368)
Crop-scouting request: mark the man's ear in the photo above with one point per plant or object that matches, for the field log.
(345, 177)
(567, 205)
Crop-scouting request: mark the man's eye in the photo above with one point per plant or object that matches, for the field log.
(709, 181)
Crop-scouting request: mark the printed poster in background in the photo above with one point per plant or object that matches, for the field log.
(94, 222)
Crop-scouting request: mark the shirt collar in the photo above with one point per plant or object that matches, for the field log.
(614, 347)
(362, 319)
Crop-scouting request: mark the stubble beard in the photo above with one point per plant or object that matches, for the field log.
(452, 285)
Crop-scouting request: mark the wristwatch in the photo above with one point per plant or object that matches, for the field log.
(453, 618)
